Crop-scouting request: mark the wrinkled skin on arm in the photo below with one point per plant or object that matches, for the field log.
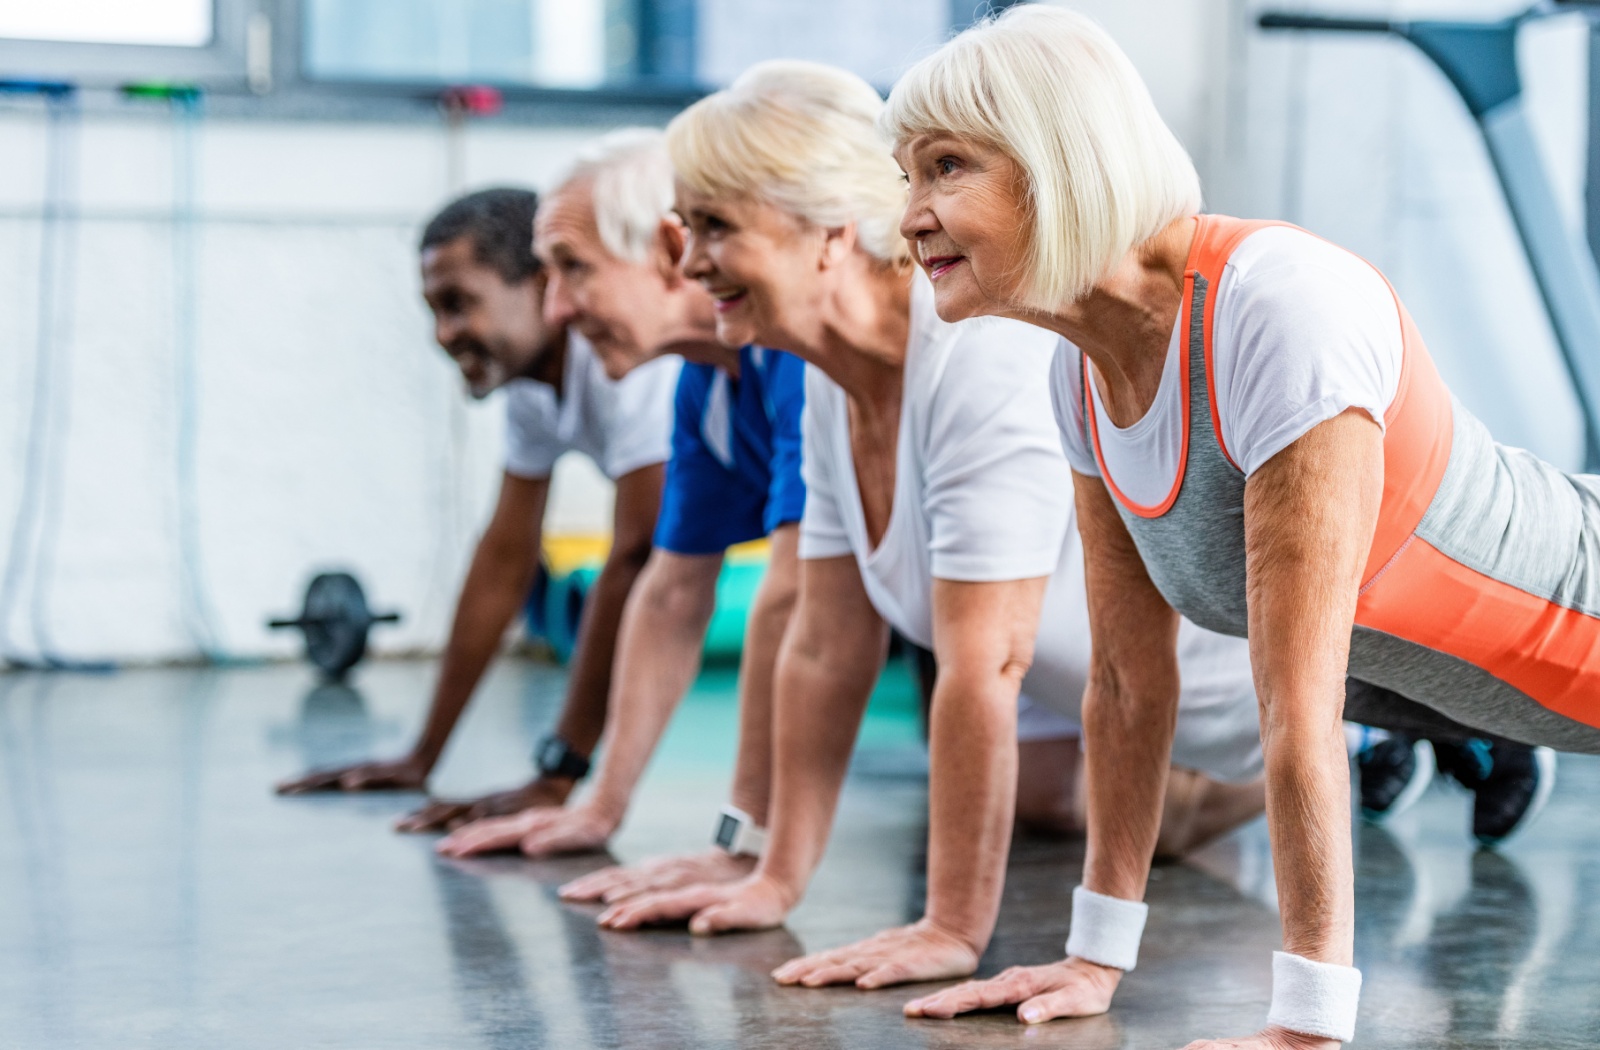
(983, 640)
(1309, 518)
(1129, 713)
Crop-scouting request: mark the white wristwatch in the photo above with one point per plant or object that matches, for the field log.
(737, 833)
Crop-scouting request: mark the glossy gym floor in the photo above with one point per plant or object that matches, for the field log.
(155, 893)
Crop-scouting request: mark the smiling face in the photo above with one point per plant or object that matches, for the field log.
(492, 328)
(967, 223)
(619, 305)
(764, 268)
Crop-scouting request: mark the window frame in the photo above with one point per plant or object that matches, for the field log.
(219, 64)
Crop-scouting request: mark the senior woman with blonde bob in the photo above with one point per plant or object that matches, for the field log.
(938, 502)
(1260, 443)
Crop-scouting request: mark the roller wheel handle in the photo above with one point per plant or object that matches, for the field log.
(1286, 20)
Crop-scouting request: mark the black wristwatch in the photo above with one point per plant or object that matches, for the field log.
(556, 758)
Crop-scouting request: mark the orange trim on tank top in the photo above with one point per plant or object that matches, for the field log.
(1165, 505)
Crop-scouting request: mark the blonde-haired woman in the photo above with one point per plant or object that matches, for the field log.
(938, 502)
(1260, 443)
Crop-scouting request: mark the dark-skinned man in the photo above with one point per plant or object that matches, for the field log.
(486, 291)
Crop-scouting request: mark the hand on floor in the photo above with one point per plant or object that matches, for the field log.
(536, 832)
(449, 814)
(1070, 988)
(403, 774)
(610, 885)
(919, 952)
(1269, 1038)
(756, 902)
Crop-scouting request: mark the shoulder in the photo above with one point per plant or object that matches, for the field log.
(1282, 268)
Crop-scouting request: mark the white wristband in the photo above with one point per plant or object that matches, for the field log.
(1314, 998)
(1106, 930)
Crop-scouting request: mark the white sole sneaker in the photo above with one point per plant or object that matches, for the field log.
(1422, 753)
(1544, 760)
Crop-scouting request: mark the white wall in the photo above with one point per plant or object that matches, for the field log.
(1362, 140)
(332, 432)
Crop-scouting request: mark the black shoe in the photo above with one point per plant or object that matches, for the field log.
(1394, 774)
(1510, 783)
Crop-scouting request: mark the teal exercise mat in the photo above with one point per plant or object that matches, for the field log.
(556, 617)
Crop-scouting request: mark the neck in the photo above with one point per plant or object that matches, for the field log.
(550, 363)
(694, 336)
(857, 334)
(1124, 324)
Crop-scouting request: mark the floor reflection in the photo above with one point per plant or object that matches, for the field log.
(158, 894)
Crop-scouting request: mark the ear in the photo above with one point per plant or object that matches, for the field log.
(838, 244)
(671, 243)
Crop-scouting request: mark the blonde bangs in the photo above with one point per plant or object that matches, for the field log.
(1052, 90)
(800, 136)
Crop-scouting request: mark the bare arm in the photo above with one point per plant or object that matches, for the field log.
(825, 674)
(658, 653)
(1129, 715)
(498, 581)
(826, 668)
(763, 638)
(983, 637)
(633, 523)
(1309, 517)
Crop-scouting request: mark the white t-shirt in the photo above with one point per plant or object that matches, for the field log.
(982, 493)
(1303, 330)
(620, 424)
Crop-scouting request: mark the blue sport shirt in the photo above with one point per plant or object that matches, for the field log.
(735, 469)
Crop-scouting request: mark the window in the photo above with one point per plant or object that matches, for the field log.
(177, 23)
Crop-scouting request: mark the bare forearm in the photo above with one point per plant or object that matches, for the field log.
(658, 655)
(972, 793)
(1128, 741)
(496, 586)
(820, 701)
(583, 717)
(1308, 815)
(763, 639)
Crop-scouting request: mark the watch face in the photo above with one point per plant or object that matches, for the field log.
(551, 753)
(727, 831)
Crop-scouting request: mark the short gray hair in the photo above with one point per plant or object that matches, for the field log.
(1050, 88)
(630, 179)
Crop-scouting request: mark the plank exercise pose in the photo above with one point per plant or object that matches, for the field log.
(612, 246)
(487, 294)
(1261, 443)
(938, 502)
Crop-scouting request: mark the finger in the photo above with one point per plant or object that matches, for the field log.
(904, 971)
(1072, 1001)
(656, 908)
(793, 970)
(433, 817)
(482, 837)
(593, 886)
(836, 973)
(557, 840)
(360, 780)
(733, 915)
(973, 995)
(311, 782)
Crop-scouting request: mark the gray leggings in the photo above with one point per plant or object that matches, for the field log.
(1372, 705)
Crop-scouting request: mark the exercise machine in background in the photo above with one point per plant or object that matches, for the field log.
(1480, 61)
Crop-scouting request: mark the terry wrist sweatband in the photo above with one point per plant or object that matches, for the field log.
(1314, 998)
(1106, 930)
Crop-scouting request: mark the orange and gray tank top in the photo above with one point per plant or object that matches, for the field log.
(1481, 593)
